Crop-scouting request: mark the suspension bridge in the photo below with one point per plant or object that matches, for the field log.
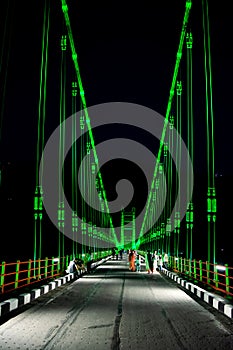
(77, 204)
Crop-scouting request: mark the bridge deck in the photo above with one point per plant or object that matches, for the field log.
(114, 308)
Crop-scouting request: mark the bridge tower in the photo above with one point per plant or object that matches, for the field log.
(128, 229)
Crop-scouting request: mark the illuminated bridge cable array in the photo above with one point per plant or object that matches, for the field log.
(89, 227)
(163, 234)
(158, 237)
(90, 234)
(166, 222)
(164, 225)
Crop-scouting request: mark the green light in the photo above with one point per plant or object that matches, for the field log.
(74, 222)
(93, 168)
(65, 8)
(188, 4)
(160, 168)
(211, 200)
(74, 88)
(82, 122)
(179, 88)
(171, 120)
(89, 228)
(74, 56)
(214, 205)
(63, 43)
(177, 219)
(165, 149)
(189, 40)
(88, 147)
(83, 226)
(40, 203)
(35, 203)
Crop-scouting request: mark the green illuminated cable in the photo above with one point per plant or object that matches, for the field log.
(178, 59)
(170, 172)
(211, 194)
(179, 89)
(87, 119)
(74, 172)
(61, 156)
(179, 92)
(190, 143)
(42, 97)
(38, 206)
(82, 183)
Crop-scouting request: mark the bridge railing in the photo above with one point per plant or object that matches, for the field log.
(215, 276)
(15, 275)
(19, 274)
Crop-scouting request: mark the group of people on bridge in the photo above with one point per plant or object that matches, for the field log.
(154, 261)
(79, 266)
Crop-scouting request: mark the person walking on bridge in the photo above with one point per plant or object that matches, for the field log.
(155, 261)
(165, 260)
(149, 262)
(160, 262)
(138, 263)
(132, 260)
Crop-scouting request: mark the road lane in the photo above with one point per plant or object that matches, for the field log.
(114, 308)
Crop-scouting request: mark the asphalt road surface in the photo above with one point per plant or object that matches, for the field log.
(114, 308)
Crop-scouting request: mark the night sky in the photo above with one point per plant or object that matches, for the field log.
(126, 52)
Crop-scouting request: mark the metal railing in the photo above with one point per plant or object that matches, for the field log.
(19, 274)
(215, 276)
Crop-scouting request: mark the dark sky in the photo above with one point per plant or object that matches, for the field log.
(126, 52)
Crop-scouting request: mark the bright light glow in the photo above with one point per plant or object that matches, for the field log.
(88, 279)
(113, 267)
(220, 267)
(56, 260)
(161, 295)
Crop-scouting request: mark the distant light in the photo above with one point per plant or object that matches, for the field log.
(56, 260)
(176, 259)
(220, 267)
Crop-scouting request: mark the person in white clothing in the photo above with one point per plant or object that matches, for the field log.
(160, 262)
(155, 260)
(165, 260)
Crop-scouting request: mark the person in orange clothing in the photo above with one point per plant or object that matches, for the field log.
(132, 258)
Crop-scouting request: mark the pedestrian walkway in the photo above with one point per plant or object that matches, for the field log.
(114, 308)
